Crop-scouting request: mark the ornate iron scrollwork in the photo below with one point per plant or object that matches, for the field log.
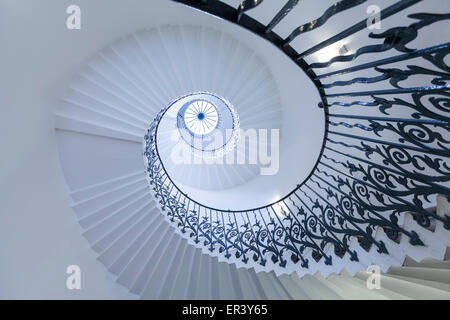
(373, 168)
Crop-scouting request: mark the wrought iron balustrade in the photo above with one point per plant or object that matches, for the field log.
(385, 153)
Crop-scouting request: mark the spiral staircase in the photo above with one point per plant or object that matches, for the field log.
(364, 136)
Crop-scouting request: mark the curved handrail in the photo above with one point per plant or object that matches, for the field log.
(155, 123)
(363, 180)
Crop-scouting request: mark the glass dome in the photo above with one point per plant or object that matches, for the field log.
(208, 124)
(201, 117)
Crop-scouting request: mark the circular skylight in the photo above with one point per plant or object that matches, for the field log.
(201, 117)
(207, 123)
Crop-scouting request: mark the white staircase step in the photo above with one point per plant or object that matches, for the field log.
(272, 290)
(136, 265)
(70, 123)
(156, 288)
(120, 252)
(438, 275)
(159, 257)
(194, 276)
(127, 226)
(225, 283)
(87, 192)
(427, 263)
(314, 288)
(117, 219)
(423, 292)
(96, 211)
(182, 277)
(292, 287)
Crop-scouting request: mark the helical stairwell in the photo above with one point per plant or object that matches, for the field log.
(377, 194)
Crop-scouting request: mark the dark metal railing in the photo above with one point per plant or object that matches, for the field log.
(374, 167)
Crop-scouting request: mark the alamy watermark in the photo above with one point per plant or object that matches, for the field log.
(374, 279)
(73, 281)
(73, 21)
(254, 146)
(374, 21)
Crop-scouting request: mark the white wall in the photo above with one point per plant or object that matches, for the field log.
(39, 236)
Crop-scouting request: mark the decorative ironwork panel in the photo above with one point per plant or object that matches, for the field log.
(385, 153)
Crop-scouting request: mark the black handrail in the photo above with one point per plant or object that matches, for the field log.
(371, 169)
